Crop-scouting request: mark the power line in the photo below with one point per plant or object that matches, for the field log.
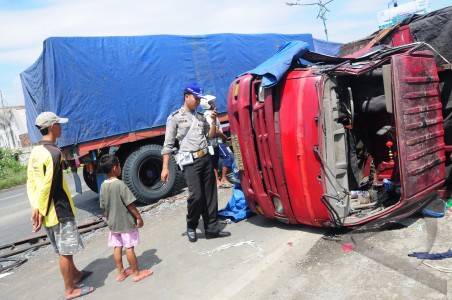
(322, 10)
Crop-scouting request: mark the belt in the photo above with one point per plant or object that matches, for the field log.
(200, 153)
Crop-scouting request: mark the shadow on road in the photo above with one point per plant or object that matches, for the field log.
(268, 223)
(102, 267)
(89, 202)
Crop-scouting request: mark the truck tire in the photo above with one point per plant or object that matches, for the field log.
(90, 180)
(141, 173)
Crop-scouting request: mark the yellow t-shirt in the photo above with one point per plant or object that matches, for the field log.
(46, 187)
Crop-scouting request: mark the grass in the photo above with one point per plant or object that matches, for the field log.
(11, 179)
(12, 172)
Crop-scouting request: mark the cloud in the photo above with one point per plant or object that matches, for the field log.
(23, 31)
(113, 17)
(21, 56)
(356, 7)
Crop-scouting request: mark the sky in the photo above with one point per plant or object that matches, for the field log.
(25, 24)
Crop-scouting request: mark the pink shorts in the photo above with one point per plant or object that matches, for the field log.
(127, 240)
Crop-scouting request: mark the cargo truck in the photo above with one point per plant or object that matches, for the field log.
(118, 92)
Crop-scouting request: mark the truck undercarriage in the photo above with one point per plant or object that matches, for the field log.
(365, 116)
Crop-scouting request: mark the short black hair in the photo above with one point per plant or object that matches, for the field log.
(107, 162)
(43, 131)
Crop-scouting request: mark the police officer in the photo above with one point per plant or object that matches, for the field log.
(191, 130)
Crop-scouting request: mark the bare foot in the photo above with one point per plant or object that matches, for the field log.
(120, 277)
(81, 275)
(141, 275)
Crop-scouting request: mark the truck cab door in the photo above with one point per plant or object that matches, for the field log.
(418, 122)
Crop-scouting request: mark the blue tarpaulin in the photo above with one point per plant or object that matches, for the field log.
(274, 68)
(237, 208)
(108, 86)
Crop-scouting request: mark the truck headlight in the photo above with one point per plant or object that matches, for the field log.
(261, 94)
(278, 205)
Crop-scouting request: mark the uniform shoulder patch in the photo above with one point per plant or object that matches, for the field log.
(174, 113)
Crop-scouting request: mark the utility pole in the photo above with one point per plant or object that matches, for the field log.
(322, 10)
(3, 119)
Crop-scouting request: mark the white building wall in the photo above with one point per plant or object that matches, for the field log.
(12, 125)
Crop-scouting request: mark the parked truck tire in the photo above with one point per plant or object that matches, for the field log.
(141, 173)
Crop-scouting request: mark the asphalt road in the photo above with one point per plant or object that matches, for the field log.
(15, 222)
(262, 259)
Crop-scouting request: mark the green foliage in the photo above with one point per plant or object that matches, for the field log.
(13, 180)
(12, 172)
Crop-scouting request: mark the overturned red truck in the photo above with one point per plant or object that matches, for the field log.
(342, 142)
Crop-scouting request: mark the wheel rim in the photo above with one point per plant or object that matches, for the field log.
(149, 172)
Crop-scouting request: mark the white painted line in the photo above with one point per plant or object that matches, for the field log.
(5, 274)
(12, 196)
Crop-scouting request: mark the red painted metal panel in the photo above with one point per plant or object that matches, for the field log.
(83, 149)
(299, 136)
(402, 36)
(419, 123)
(268, 149)
(239, 111)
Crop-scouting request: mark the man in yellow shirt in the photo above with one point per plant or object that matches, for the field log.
(51, 202)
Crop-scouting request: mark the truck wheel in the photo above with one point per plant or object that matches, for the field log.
(90, 180)
(141, 173)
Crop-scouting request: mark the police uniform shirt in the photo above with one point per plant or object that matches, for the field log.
(178, 127)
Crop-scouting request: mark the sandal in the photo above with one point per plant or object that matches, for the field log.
(83, 291)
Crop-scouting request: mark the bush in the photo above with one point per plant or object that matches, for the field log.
(12, 172)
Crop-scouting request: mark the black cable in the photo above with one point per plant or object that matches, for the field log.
(334, 215)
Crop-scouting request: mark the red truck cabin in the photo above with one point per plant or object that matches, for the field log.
(341, 145)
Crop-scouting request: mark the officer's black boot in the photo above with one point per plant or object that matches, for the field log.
(217, 234)
(191, 233)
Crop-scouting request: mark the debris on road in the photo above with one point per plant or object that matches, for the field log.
(347, 247)
(8, 264)
(227, 246)
(431, 256)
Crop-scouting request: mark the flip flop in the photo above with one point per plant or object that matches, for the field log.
(142, 274)
(85, 274)
(79, 285)
(83, 291)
